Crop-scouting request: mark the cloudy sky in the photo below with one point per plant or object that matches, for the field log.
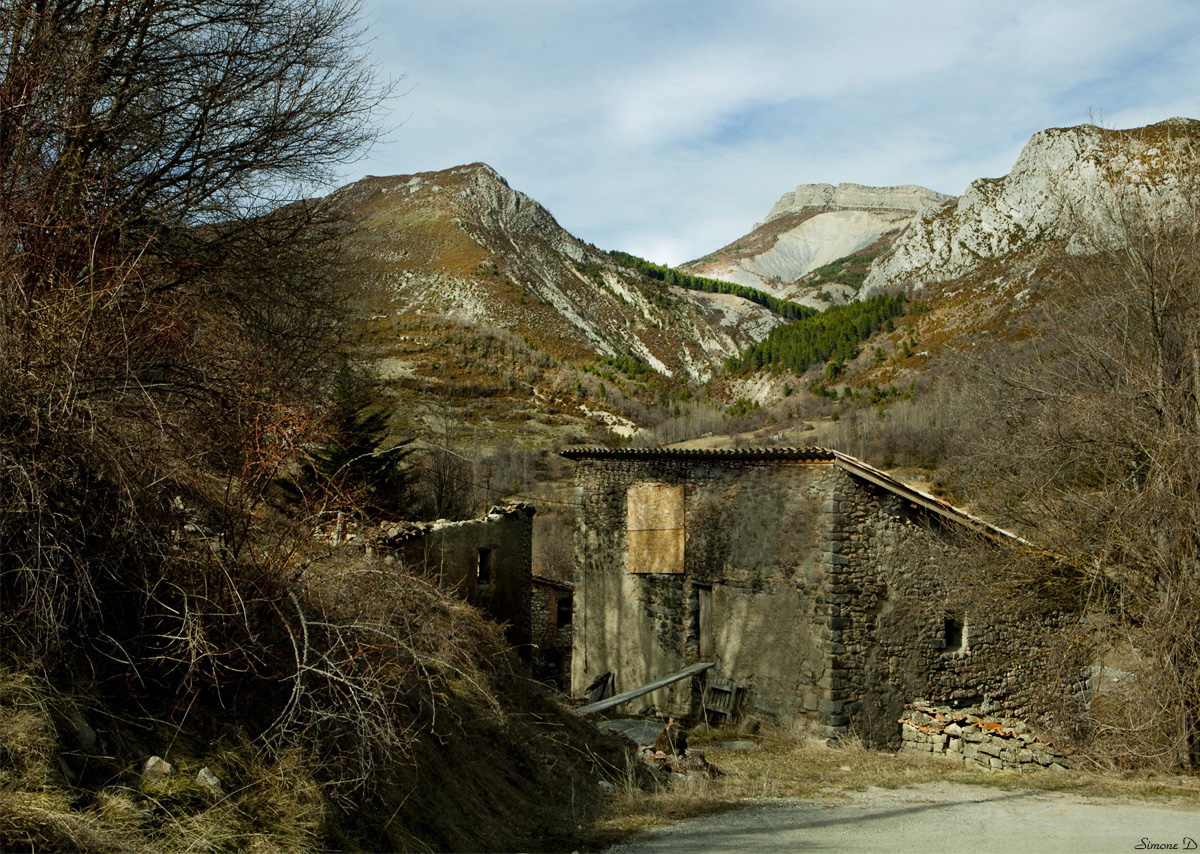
(668, 128)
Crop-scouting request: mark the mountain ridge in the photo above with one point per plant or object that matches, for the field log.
(463, 243)
(1064, 182)
(810, 227)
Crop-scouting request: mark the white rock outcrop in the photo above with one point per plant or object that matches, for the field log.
(821, 240)
(834, 222)
(908, 197)
(1064, 185)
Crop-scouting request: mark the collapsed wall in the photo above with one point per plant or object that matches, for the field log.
(967, 737)
(488, 561)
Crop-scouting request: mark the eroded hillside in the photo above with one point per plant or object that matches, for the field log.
(795, 252)
(462, 244)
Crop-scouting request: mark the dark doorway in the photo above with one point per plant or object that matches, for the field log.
(704, 623)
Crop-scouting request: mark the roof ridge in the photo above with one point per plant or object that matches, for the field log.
(807, 454)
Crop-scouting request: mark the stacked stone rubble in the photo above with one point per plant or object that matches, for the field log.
(965, 736)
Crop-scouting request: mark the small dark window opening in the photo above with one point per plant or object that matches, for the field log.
(483, 576)
(956, 637)
(563, 615)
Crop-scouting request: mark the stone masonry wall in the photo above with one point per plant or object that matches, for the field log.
(965, 736)
(551, 661)
(834, 600)
(753, 531)
(451, 552)
(909, 630)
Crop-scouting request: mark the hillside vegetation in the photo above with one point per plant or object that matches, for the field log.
(782, 307)
(1052, 383)
(186, 661)
(830, 337)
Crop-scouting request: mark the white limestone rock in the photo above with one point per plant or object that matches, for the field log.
(822, 240)
(1059, 182)
(834, 222)
(908, 197)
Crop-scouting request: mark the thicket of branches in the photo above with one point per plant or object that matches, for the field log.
(164, 309)
(166, 334)
(1091, 440)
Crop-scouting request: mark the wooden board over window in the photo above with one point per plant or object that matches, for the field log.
(654, 519)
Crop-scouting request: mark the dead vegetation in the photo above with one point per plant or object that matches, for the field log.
(170, 340)
(781, 764)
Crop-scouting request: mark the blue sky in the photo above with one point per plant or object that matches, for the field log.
(668, 129)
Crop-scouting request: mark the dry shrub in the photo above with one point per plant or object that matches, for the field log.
(429, 729)
(1088, 440)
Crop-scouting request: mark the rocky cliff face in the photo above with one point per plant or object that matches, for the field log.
(1067, 183)
(812, 226)
(908, 198)
(462, 244)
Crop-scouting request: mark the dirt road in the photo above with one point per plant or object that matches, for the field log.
(936, 817)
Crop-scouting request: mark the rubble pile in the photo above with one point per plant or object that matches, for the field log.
(689, 764)
(966, 736)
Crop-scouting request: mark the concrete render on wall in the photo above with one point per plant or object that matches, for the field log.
(828, 600)
(752, 536)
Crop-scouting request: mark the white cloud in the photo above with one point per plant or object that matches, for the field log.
(670, 127)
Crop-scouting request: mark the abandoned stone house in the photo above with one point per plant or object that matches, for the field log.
(488, 561)
(799, 572)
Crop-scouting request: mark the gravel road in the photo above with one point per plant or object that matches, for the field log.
(935, 817)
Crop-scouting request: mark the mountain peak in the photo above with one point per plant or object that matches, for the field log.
(462, 244)
(908, 197)
(1062, 178)
(813, 226)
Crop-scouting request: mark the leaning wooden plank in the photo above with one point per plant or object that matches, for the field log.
(662, 682)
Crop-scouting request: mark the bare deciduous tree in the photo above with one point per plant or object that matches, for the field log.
(163, 301)
(1094, 440)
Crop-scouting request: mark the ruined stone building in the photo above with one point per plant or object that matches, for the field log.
(488, 561)
(810, 578)
(552, 612)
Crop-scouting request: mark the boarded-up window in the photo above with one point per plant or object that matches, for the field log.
(654, 518)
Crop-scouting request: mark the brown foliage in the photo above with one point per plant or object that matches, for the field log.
(1092, 440)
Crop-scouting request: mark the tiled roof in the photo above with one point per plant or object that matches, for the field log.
(807, 455)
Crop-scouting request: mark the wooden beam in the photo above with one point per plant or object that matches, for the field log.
(662, 682)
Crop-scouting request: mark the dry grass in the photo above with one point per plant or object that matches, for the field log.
(269, 806)
(787, 765)
(410, 727)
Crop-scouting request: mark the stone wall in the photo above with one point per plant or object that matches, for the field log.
(752, 533)
(913, 615)
(488, 561)
(834, 600)
(551, 635)
(969, 738)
